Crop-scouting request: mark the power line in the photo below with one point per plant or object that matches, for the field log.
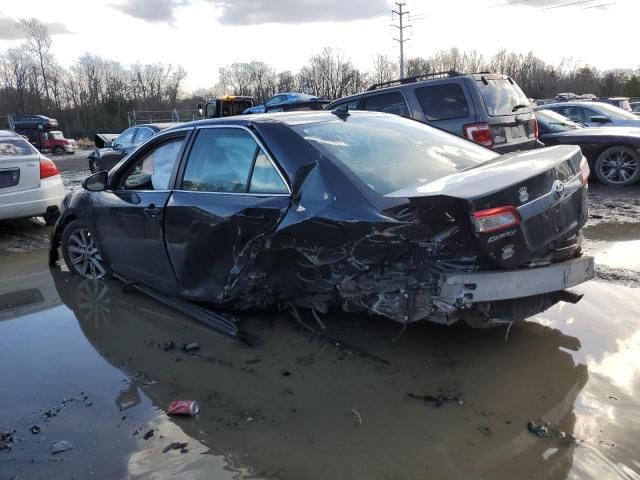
(598, 6)
(400, 28)
(567, 4)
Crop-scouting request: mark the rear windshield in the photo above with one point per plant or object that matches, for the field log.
(500, 96)
(14, 147)
(389, 153)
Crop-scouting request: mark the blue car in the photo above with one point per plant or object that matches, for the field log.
(279, 99)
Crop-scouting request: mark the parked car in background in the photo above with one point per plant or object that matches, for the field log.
(563, 97)
(279, 100)
(127, 141)
(487, 108)
(363, 211)
(30, 183)
(635, 108)
(595, 114)
(612, 152)
(224, 106)
(620, 102)
(43, 134)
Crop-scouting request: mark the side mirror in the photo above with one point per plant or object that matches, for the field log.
(599, 119)
(200, 109)
(96, 182)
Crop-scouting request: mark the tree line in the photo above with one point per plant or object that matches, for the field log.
(95, 94)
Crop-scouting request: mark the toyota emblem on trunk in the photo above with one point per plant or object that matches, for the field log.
(558, 189)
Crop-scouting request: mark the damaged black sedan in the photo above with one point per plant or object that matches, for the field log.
(363, 211)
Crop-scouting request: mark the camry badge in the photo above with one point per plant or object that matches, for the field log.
(523, 194)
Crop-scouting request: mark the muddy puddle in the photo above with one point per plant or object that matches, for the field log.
(91, 365)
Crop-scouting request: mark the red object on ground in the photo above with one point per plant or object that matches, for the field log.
(183, 407)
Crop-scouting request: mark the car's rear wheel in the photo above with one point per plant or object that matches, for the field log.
(58, 150)
(80, 251)
(618, 165)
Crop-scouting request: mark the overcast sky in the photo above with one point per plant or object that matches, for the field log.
(203, 35)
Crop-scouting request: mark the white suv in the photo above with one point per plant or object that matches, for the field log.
(30, 183)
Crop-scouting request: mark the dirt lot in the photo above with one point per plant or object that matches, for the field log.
(85, 363)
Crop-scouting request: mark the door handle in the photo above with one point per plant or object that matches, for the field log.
(152, 211)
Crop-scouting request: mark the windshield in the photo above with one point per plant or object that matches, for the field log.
(389, 153)
(501, 97)
(14, 147)
(56, 135)
(554, 122)
(614, 112)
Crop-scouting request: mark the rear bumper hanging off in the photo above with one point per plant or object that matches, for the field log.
(460, 289)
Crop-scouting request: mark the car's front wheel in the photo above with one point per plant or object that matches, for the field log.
(58, 150)
(80, 251)
(618, 165)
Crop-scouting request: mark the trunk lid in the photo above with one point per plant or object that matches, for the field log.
(19, 165)
(543, 185)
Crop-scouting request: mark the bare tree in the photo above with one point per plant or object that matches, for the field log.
(384, 69)
(38, 44)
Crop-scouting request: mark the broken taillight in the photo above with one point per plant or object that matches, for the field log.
(47, 168)
(479, 133)
(495, 219)
(584, 170)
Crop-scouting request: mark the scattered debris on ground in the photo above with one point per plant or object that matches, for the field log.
(543, 429)
(439, 399)
(6, 440)
(189, 408)
(61, 446)
(35, 429)
(148, 435)
(190, 347)
(176, 446)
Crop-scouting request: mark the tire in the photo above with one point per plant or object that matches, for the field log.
(58, 150)
(50, 218)
(80, 252)
(618, 165)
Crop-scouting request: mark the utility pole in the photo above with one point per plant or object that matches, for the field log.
(400, 28)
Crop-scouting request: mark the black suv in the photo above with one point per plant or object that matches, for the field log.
(487, 108)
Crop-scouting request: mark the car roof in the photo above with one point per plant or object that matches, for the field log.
(573, 104)
(8, 133)
(159, 126)
(287, 118)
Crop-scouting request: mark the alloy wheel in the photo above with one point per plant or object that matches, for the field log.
(619, 167)
(84, 255)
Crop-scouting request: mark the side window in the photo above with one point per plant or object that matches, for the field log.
(350, 105)
(265, 178)
(587, 113)
(392, 102)
(442, 102)
(572, 113)
(220, 161)
(153, 170)
(143, 135)
(275, 100)
(125, 138)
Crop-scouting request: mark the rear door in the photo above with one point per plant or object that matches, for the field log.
(508, 113)
(129, 217)
(19, 165)
(447, 106)
(229, 196)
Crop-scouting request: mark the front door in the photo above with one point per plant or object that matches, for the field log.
(229, 197)
(129, 217)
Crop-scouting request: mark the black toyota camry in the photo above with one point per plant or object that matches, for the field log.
(363, 211)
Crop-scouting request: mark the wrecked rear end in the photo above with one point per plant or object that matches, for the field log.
(484, 238)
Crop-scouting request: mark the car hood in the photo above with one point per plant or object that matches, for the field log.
(492, 176)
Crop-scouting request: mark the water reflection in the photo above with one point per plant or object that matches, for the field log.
(285, 409)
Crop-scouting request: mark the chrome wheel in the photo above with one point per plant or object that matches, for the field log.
(618, 167)
(83, 254)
